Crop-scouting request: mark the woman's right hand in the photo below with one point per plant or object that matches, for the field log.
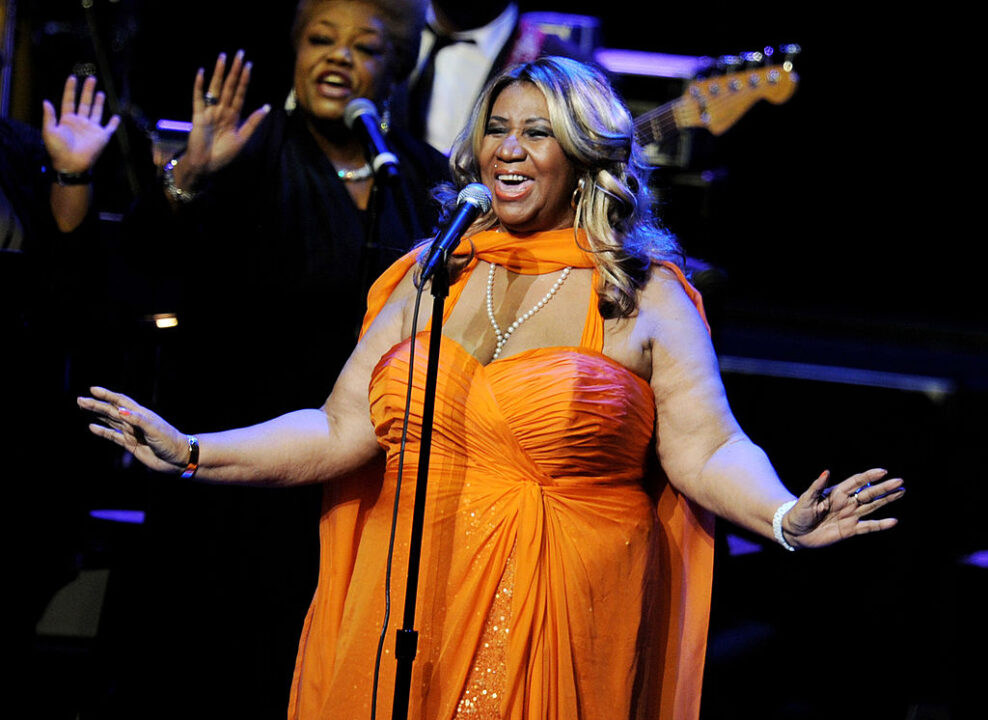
(76, 137)
(136, 429)
(217, 135)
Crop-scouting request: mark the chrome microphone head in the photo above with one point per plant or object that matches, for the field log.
(357, 107)
(476, 194)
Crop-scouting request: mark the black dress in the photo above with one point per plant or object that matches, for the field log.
(268, 270)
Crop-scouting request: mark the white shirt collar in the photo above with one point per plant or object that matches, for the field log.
(491, 37)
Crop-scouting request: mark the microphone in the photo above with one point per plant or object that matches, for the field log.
(361, 117)
(473, 200)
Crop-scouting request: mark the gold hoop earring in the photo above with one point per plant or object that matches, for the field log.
(577, 193)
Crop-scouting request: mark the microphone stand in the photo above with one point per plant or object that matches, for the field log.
(407, 637)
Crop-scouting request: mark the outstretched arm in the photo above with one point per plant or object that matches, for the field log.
(305, 446)
(292, 449)
(707, 455)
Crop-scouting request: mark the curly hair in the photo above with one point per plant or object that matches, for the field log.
(403, 22)
(613, 201)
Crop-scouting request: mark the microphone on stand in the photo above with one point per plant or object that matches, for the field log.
(360, 116)
(473, 200)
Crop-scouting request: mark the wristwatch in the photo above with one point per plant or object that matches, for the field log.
(74, 178)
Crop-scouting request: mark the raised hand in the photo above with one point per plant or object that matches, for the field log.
(825, 515)
(136, 429)
(217, 134)
(76, 138)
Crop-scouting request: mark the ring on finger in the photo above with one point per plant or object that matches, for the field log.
(209, 99)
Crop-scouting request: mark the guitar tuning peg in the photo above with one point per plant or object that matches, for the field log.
(752, 58)
(790, 50)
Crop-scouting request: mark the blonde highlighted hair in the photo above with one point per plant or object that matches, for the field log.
(612, 198)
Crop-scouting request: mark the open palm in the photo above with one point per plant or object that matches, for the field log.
(217, 134)
(76, 136)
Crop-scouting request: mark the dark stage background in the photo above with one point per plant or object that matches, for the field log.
(845, 295)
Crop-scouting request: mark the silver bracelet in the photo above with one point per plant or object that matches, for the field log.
(777, 524)
(174, 191)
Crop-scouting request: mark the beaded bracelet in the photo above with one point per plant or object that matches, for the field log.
(174, 191)
(193, 464)
(777, 524)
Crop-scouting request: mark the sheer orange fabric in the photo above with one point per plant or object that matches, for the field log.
(560, 579)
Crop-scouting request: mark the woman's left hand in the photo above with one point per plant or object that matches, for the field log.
(217, 134)
(75, 140)
(826, 515)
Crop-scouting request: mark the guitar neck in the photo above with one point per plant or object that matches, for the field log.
(716, 103)
(661, 123)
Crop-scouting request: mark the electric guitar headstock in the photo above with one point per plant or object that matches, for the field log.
(719, 101)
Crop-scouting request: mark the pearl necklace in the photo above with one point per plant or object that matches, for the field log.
(502, 337)
(356, 174)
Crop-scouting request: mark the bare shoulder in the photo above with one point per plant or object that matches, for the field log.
(680, 341)
(396, 307)
(666, 305)
(662, 332)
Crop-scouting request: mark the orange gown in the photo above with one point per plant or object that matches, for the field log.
(560, 578)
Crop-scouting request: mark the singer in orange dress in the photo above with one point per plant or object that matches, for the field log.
(582, 444)
(550, 582)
